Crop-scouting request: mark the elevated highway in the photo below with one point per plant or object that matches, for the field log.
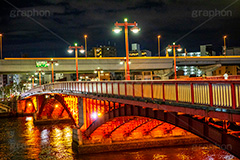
(67, 65)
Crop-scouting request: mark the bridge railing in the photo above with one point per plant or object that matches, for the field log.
(218, 93)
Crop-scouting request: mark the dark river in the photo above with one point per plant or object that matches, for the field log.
(20, 139)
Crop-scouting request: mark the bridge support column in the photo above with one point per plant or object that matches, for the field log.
(77, 133)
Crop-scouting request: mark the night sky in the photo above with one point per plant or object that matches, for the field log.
(62, 22)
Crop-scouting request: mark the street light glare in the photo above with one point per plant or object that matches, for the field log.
(75, 44)
(81, 50)
(101, 71)
(95, 71)
(117, 29)
(135, 29)
(121, 62)
(125, 19)
(169, 49)
(56, 64)
(129, 62)
(70, 51)
(179, 49)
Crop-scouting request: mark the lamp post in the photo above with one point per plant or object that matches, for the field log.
(134, 29)
(99, 71)
(224, 47)
(1, 44)
(40, 73)
(159, 36)
(85, 37)
(123, 61)
(56, 64)
(70, 50)
(32, 78)
(179, 49)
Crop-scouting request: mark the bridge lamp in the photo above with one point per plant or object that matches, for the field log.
(117, 29)
(94, 115)
(169, 49)
(70, 51)
(95, 71)
(99, 114)
(179, 49)
(134, 29)
(81, 50)
(56, 106)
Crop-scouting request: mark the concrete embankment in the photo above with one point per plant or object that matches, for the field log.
(140, 144)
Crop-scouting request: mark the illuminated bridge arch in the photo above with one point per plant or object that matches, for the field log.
(199, 127)
(57, 99)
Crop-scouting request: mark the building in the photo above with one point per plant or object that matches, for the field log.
(137, 52)
(207, 50)
(233, 51)
(103, 51)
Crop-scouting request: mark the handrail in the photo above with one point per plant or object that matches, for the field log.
(215, 93)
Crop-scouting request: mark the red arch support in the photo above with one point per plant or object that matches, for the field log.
(201, 128)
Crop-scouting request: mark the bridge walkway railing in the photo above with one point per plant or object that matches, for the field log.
(217, 93)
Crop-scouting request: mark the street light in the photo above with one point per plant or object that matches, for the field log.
(179, 49)
(99, 71)
(39, 72)
(56, 64)
(134, 29)
(70, 50)
(224, 47)
(123, 61)
(85, 37)
(1, 45)
(159, 36)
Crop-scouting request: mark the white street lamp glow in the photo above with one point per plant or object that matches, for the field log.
(169, 49)
(101, 71)
(95, 71)
(117, 29)
(36, 73)
(179, 49)
(121, 62)
(43, 73)
(129, 62)
(70, 51)
(56, 64)
(135, 29)
(81, 50)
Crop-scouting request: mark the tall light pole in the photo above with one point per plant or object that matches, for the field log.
(99, 71)
(123, 61)
(1, 45)
(40, 73)
(159, 36)
(56, 64)
(134, 29)
(85, 37)
(179, 49)
(70, 50)
(224, 47)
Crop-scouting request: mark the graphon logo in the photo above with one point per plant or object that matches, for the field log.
(211, 13)
(30, 13)
(222, 146)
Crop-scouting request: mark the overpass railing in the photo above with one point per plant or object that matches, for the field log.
(218, 93)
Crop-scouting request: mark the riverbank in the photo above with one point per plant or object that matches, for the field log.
(140, 144)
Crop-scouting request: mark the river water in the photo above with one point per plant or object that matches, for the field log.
(20, 139)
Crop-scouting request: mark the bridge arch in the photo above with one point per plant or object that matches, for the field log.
(199, 127)
(59, 99)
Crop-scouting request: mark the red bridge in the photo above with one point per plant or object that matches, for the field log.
(207, 108)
